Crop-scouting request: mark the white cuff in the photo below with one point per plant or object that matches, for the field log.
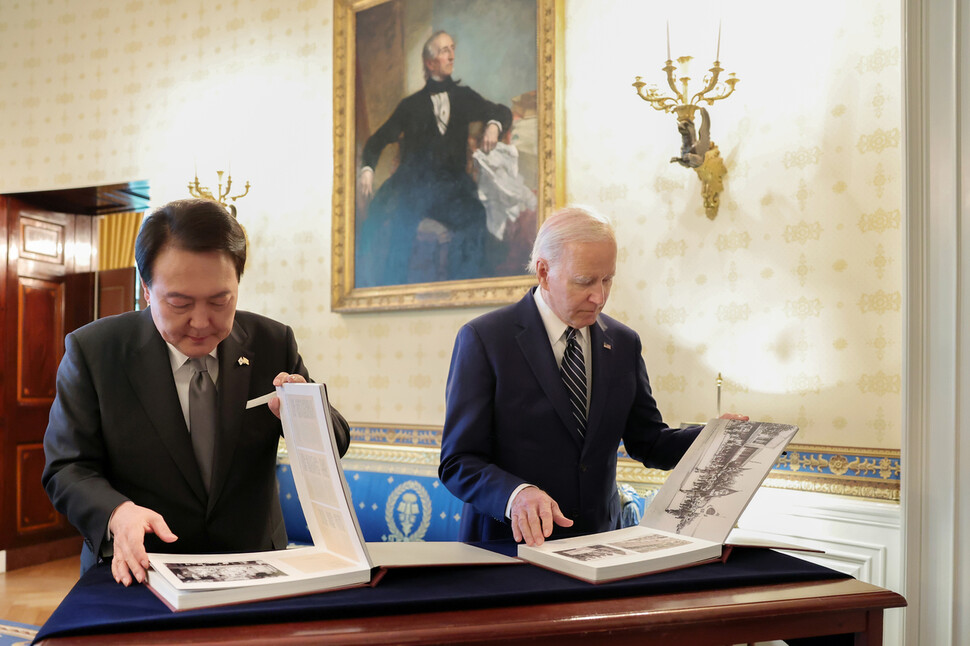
(515, 492)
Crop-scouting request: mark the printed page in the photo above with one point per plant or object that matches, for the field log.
(709, 488)
(220, 571)
(317, 472)
(626, 546)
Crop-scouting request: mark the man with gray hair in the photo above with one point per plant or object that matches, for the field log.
(430, 184)
(541, 392)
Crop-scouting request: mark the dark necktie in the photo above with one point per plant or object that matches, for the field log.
(202, 418)
(573, 372)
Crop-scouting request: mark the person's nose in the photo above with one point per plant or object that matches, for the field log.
(597, 294)
(199, 317)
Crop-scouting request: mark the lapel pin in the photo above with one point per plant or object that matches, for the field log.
(243, 361)
(607, 346)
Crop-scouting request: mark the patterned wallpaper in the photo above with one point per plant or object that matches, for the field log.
(793, 293)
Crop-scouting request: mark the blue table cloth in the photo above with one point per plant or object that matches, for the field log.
(98, 605)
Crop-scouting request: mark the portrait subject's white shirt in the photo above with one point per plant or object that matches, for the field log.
(442, 110)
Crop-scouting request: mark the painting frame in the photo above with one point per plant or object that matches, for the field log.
(346, 296)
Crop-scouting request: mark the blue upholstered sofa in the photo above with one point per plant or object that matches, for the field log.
(398, 497)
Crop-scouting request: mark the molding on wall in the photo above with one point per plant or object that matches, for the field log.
(862, 538)
(871, 474)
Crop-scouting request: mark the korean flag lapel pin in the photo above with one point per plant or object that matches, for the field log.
(243, 361)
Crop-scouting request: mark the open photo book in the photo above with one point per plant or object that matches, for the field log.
(338, 558)
(689, 519)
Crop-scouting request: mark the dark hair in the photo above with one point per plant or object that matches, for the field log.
(193, 225)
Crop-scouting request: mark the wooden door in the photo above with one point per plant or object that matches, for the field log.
(43, 248)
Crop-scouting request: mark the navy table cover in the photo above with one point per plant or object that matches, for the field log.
(98, 605)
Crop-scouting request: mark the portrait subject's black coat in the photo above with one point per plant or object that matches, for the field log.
(430, 182)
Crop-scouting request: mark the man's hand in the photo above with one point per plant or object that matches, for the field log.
(365, 183)
(489, 138)
(533, 514)
(743, 418)
(128, 525)
(279, 380)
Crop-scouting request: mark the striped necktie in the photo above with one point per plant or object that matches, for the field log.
(573, 372)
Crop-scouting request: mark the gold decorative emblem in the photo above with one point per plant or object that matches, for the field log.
(243, 361)
(408, 512)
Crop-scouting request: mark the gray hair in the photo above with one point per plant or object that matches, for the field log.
(430, 50)
(569, 224)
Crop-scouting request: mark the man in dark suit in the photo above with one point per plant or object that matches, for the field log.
(130, 461)
(431, 183)
(533, 420)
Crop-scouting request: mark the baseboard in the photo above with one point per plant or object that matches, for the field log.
(18, 557)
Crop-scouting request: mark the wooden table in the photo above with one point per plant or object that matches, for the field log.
(708, 618)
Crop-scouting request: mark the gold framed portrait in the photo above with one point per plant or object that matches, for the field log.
(448, 143)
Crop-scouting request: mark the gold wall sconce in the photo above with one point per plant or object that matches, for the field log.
(697, 150)
(220, 196)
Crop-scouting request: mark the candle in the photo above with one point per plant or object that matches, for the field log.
(668, 40)
(717, 56)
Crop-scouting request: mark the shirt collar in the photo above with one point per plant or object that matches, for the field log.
(555, 327)
(178, 359)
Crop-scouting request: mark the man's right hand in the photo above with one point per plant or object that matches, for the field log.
(128, 525)
(533, 513)
(365, 183)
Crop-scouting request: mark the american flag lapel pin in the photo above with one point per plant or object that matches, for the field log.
(607, 346)
(243, 361)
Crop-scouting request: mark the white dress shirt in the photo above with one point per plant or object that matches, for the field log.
(556, 330)
(183, 373)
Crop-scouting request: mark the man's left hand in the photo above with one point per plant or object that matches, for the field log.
(279, 380)
(489, 138)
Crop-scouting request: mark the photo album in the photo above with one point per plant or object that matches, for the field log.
(689, 519)
(338, 557)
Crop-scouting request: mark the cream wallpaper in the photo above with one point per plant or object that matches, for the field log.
(793, 293)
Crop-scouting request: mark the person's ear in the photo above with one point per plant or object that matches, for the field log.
(144, 290)
(542, 273)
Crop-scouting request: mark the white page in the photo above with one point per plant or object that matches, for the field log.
(418, 553)
(246, 569)
(705, 494)
(317, 473)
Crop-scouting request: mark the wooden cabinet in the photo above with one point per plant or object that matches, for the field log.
(48, 287)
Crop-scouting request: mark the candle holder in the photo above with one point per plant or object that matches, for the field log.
(197, 190)
(697, 150)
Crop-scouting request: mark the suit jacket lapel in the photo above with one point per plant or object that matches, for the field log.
(233, 390)
(601, 349)
(534, 343)
(149, 371)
